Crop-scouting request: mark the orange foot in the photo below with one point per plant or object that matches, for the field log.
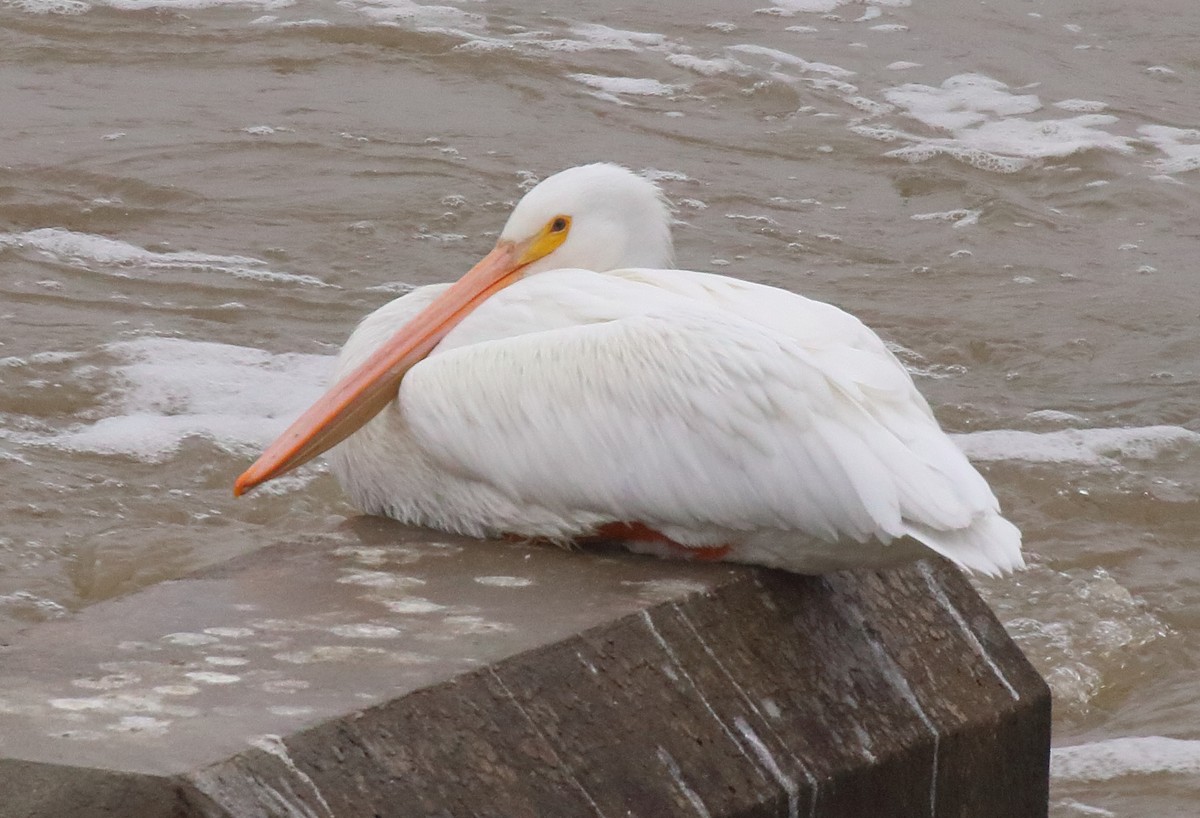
(643, 533)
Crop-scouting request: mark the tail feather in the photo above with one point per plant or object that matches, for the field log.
(991, 545)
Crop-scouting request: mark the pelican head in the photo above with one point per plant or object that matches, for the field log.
(608, 218)
(597, 217)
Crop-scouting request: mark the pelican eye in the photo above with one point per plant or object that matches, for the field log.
(559, 224)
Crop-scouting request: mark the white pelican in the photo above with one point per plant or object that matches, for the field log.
(571, 385)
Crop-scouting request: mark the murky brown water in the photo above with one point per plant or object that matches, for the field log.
(199, 199)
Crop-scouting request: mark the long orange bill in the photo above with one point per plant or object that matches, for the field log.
(363, 393)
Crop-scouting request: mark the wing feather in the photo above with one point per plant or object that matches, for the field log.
(957, 499)
(675, 413)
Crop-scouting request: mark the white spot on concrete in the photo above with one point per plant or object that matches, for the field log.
(688, 792)
(177, 690)
(290, 711)
(226, 661)
(230, 633)
(350, 653)
(365, 630)
(411, 605)
(109, 682)
(78, 704)
(864, 742)
(772, 766)
(208, 677)
(379, 579)
(591, 668)
(189, 639)
(282, 625)
(661, 590)
(504, 582)
(363, 554)
(474, 624)
(110, 703)
(274, 746)
(141, 724)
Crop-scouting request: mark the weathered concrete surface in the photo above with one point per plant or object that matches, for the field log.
(391, 674)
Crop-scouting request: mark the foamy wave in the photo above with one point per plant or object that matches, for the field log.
(986, 125)
(169, 389)
(420, 17)
(617, 39)
(584, 37)
(788, 8)
(784, 58)
(115, 257)
(708, 67)
(83, 6)
(624, 85)
(142, 5)
(1181, 145)
(64, 7)
(1088, 629)
(1135, 755)
(1081, 446)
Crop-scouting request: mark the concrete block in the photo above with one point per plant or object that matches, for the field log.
(392, 672)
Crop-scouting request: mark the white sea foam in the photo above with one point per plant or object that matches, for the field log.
(1081, 106)
(114, 257)
(170, 389)
(960, 217)
(583, 37)
(1094, 447)
(417, 16)
(82, 6)
(784, 58)
(1082, 627)
(64, 7)
(986, 125)
(788, 8)
(708, 67)
(617, 39)
(141, 5)
(1134, 755)
(1181, 145)
(625, 85)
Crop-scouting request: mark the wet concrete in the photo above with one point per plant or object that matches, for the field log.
(391, 674)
